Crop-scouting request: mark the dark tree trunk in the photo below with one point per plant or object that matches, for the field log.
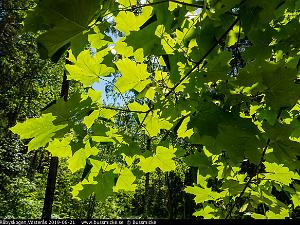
(32, 166)
(49, 195)
(189, 203)
(147, 182)
(52, 174)
(147, 176)
(171, 207)
(91, 207)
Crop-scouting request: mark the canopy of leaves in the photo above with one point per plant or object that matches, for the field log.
(224, 76)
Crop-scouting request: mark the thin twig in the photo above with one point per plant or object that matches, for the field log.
(130, 8)
(124, 110)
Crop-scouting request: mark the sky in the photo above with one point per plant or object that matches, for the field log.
(101, 84)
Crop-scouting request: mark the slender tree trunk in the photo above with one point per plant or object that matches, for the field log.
(91, 207)
(52, 174)
(147, 176)
(49, 195)
(189, 203)
(147, 181)
(32, 166)
(170, 179)
(41, 157)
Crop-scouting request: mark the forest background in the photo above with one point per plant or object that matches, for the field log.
(149, 109)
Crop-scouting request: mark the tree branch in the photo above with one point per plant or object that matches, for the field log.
(203, 58)
(132, 7)
(262, 158)
(124, 110)
(174, 1)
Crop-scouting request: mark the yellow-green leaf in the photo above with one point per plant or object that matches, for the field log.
(125, 181)
(60, 148)
(162, 159)
(134, 76)
(41, 130)
(78, 160)
(87, 68)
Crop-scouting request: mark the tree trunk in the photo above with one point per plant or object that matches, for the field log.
(147, 181)
(49, 195)
(170, 177)
(32, 166)
(52, 174)
(189, 203)
(91, 207)
(147, 176)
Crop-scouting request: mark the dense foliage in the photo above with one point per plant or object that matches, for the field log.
(215, 86)
(27, 85)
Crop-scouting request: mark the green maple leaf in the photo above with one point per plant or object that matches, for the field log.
(102, 186)
(127, 51)
(204, 194)
(107, 113)
(65, 20)
(134, 76)
(78, 160)
(127, 21)
(134, 106)
(282, 90)
(90, 119)
(284, 150)
(74, 109)
(296, 196)
(295, 134)
(41, 130)
(239, 142)
(183, 131)
(259, 196)
(153, 123)
(88, 69)
(60, 148)
(126, 3)
(103, 113)
(151, 44)
(201, 161)
(100, 166)
(97, 40)
(275, 215)
(95, 95)
(224, 131)
(125, 181)
(208, 212)
(163, 159)
(279, 173)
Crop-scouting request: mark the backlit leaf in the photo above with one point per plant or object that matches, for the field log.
(134, 76)
(41, 130)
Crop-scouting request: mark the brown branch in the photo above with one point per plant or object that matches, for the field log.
(250, 179)
(132, 7)
(174, 1)
(124, 110)
(195, 67)
(203, 58)
(141, 124)
(262, 158)
(52, 173)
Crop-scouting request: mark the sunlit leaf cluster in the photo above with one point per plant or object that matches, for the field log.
(224, 76)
